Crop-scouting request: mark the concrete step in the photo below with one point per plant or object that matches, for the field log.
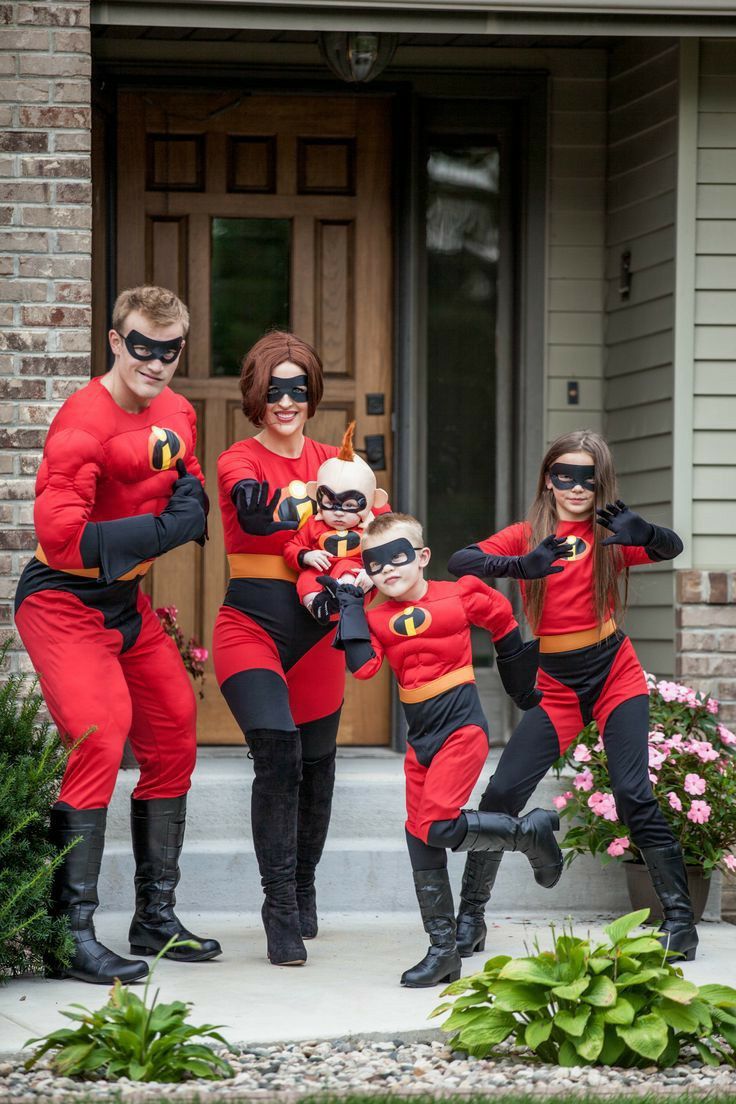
(364, 867)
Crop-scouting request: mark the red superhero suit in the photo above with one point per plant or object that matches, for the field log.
(105, 666)
(428, 646)
(316, 534)
(613, 673)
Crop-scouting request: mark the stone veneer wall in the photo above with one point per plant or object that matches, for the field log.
(706, 636)
(45, 251)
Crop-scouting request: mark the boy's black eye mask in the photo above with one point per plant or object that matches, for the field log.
(165, 351)
(575, 475)
(295, 387)
(396, 552)
(328, 499)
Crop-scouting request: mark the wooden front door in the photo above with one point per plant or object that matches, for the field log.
(263, 210)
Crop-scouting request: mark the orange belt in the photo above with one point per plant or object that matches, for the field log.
(94, 572)
(437, 686)
(569, 642)
(246, 565)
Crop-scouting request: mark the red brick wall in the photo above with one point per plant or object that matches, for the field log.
(45, 250)
(705, 645)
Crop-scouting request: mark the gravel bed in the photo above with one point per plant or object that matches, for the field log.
(289, 1071)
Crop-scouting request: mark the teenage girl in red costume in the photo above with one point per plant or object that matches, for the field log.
(112, 494)
(281, 679)
(568, 568)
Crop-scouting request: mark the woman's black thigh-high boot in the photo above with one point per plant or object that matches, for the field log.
(274, 806)
(318, 740)
(74, 895)
(157, 829)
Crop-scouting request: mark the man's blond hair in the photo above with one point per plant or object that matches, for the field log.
(381, 525)
(157, 303)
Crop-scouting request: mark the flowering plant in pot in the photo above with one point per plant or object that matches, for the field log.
(193, 655)
(692, 768)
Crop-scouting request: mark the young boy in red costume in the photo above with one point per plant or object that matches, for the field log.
(118, 486)
(346, 495)
(423, 630)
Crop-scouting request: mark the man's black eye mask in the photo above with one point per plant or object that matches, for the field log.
(157, 350)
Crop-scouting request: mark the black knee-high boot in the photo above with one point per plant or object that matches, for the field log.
(274, 805)
(669, 878)
(315, 806)
(74, 895)
(533, 834)
(442, 961)
(479, 877)
(157, 829)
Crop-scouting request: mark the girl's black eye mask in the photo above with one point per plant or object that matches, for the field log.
(565, 476)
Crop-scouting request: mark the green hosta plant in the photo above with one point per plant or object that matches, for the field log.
(618, 1003)
(130, 1038)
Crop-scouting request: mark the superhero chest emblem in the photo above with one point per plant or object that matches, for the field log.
(294, 504)
(580, 549)
(412, 621)
(341, 542)
(164, 448)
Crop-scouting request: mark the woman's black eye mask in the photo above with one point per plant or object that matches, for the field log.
(396, 552)
(165, 351)
(295, 387)
(575, 475)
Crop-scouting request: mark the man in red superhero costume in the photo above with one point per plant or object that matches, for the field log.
(423, 630)
(118, 486)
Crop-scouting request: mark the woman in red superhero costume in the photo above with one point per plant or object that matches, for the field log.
(423, 630)
(568, 569)
(113, 493)
(281, 679)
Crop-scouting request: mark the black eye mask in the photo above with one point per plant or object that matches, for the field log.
(328, 499)
(295, 387)
(165, 351)
(576, 475)
(396, 553)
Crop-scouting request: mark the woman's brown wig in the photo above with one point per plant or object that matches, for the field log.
(543, 521)
(260, 362)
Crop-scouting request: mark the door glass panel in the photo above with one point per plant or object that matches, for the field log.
(250, 286)
(462, 252)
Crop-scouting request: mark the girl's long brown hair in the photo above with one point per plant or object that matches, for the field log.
(543, 521)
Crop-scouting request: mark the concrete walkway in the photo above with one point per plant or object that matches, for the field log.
(348, 987)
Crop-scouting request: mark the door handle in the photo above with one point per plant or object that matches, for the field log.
(374, 451)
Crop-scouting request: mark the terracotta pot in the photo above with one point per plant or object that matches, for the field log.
(642, 895)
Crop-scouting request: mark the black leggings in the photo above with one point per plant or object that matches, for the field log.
(534, 747)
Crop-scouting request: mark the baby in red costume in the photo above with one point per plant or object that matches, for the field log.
(423, 629)
(119, 485)
(346, 495)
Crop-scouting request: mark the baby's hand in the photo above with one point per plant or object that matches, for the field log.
(364, 581)
(319, 559)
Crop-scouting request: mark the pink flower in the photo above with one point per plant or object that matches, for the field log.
(727, 737)
(618, 846)
(730, 863)
(199, 655)
(674, 801)
(704, 750)
(711, 705)
(699, 812)
(668, 690)
(675, 740)
(582, 754)
(694, 784)
(167, 611)
(598, 745)
(653, 778)
(603, 805)
(561, 800)
(584, 780)
(656, 757)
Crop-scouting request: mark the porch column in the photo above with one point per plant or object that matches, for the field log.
(45, 252)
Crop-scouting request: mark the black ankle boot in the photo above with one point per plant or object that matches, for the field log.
(532, 834)
(274, 810)
(157, 828)
(442, 961)
(669, 878)
(74, 895)
(315, 806)
(479, 876)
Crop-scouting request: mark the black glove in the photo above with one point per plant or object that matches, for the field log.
(538, 563)
(353, 635)
(323, 607)
(626, 526)
(189, 484)
(517, 664)
(184, 517)
(255, 511)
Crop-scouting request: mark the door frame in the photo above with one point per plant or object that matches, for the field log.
(527, 92)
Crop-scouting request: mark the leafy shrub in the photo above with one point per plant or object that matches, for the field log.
(32, 762)
(692, 768)
(193, 655)
(619, 1003)
(127, 1037)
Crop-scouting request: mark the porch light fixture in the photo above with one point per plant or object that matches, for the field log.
(356, 56)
